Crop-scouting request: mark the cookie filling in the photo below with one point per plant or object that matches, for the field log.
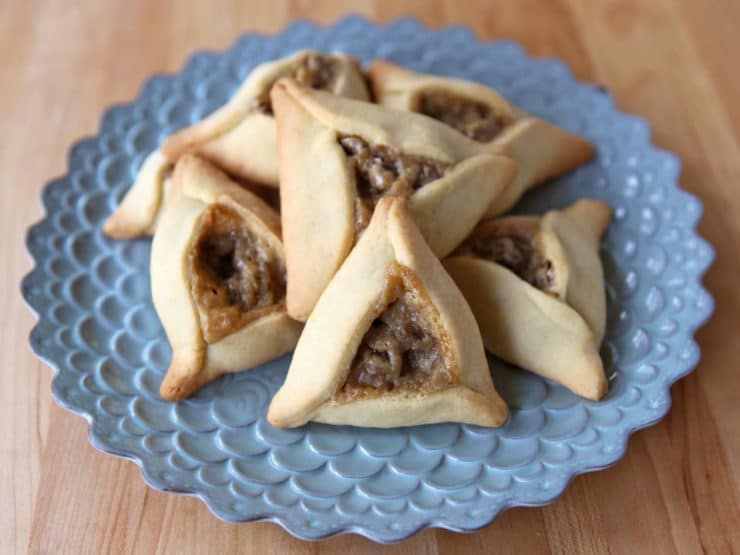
(404, 347)
(234, 276)
(384, 171)
(475, 119)
(516, 251)
(314, 70)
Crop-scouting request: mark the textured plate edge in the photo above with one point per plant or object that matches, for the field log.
(34, 274)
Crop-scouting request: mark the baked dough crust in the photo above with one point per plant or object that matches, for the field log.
(540, 149)
(238, 138)
(196, 185)
(318, 185)
(344, 313)
(554, 333)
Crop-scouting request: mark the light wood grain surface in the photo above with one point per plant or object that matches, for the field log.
(674, 62)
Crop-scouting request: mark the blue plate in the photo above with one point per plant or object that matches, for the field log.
(99, 332)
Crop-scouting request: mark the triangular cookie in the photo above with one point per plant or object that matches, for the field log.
(339, 156)
(541, 149)
(391, 342)
(239, 137)
(536, 287)
(218, 279)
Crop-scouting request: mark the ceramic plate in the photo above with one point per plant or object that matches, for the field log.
(99, 332)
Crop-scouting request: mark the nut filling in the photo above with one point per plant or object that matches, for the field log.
(234, 276)
(476, 120)
(403, 349)
(314, 70)
(516, 251)
(384, 171)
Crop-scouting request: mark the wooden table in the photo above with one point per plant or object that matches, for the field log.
(674, 62)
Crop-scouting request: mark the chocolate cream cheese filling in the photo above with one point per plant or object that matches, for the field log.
(381, 171)
(234, 276)
(404, 347)
(476, 120)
